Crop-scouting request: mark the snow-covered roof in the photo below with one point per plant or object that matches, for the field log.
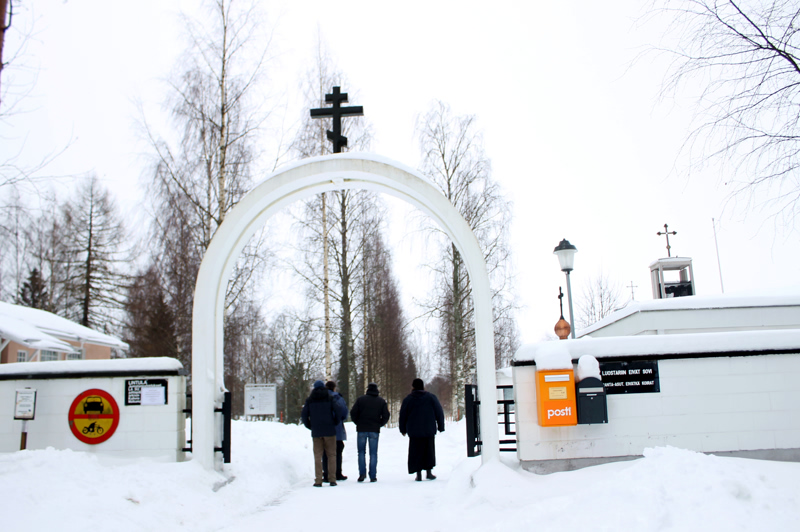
(118, 365)
(40, 329)
(669, 263)
(783, 297)
(671, 344)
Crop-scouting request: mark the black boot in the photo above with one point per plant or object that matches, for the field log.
(430, 476)
(419, 476)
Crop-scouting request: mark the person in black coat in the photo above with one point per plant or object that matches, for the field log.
(420, 416)
(369, 413)
(341, 434)
(321, 416)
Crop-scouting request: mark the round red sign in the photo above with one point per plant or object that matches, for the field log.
(93, 416)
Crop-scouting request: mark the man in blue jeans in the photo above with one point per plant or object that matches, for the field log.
(369, 413)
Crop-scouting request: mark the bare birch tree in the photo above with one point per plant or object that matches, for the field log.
(198, 179)
(331, 221)
(600, 297)
(6, 10)
(296, 343)
(746, 56)
(453, 158)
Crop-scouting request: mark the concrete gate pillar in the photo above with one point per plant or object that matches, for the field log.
(288, 185)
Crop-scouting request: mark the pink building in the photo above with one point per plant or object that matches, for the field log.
(33, 335)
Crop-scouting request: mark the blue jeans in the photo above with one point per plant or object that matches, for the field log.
(373, 454)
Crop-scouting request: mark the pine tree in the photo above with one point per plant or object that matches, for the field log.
(34, 292)
(150, 324)
(95, 238)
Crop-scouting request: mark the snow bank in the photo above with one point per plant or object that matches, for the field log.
(268, 487)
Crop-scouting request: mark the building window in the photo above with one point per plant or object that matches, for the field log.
(22, 356)
(78, 355)
(48, 356)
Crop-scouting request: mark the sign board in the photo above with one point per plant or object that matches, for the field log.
(260, 399)
(25, 404)
(636, 376)
(146, 392)
(93, 416)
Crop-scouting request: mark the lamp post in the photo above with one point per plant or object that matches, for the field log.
(566, 257)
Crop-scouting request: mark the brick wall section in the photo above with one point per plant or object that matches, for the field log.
(91, 351)
(707, 405)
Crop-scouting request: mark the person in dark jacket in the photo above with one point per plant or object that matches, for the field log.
(320, 416)
(369, 413)
(420, 415)
(341, 433)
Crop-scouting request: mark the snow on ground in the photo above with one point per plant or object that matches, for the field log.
(268, 487)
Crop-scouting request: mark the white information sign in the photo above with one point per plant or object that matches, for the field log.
(154, 396)
(260, 399)
(25, 404)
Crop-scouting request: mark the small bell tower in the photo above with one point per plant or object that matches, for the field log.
(662, 277)
(665, 286)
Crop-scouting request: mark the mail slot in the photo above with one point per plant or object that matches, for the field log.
(555, 397)
(591, 400)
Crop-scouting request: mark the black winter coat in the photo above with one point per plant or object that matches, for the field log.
(421, 414)
(370, 412)
(319, 415)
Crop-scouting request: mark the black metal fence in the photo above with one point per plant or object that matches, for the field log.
(506, 418)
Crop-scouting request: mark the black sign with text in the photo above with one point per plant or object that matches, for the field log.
(639, 376)
(145, 392)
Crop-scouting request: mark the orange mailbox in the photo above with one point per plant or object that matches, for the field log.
(555, 397)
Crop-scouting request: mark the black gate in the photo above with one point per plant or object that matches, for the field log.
(226, 411)
(505, 418)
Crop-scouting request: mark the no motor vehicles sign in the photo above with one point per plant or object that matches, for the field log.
(93, 416)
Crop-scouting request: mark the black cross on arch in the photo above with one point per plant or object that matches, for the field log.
(337, 112)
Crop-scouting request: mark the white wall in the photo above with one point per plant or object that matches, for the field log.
(143, 431)
(709, 405)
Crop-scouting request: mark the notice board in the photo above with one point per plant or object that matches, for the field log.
(146, 392)
(260, 399)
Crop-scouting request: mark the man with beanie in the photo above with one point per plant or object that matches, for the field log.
(321, 417)
(341, 434)
(420, 415)
(369, 413)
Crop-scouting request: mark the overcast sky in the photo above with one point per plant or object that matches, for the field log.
(577, 135)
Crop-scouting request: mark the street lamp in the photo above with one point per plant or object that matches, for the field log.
(566, 257)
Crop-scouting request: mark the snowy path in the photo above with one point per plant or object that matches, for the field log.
(396, 501)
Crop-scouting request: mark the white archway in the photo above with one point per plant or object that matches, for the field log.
(293, 183)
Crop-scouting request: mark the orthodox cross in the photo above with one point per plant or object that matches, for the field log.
(667, 232)
(561, 302)
(337, 112)
(632, 286)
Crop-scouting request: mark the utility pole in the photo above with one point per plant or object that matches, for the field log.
(716, 246)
